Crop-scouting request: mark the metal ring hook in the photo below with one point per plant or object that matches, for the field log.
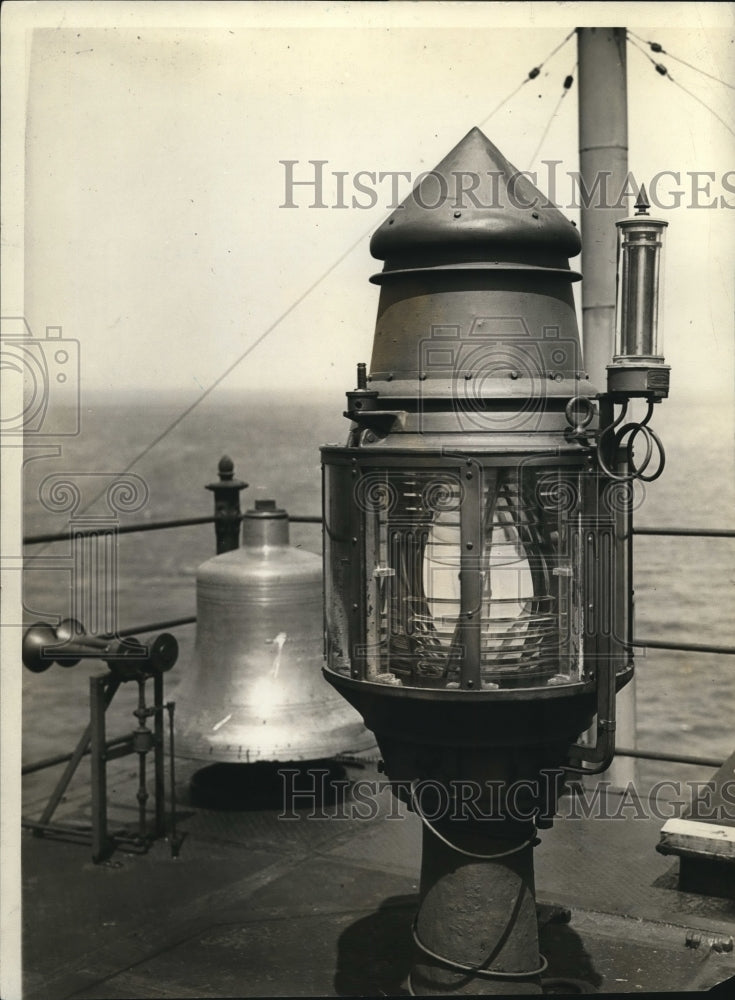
(585, 404)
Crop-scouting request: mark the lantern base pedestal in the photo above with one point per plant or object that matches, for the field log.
(476, 930)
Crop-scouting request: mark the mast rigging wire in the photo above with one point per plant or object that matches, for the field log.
(663, 71)
(658, 48)
(532, 74)
(566, 87)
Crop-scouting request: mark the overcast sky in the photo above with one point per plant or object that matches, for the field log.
(154, 232)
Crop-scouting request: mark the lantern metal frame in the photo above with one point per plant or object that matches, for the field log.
(598, 526)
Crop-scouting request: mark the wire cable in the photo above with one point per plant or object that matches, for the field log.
(663, 71)
(505, 100)
(554, 51)
(659, 66)
(566, 87)
(460, 850)
(704, 105)
(210, 388)
(477, 970)
(531, 75)
(658, 48)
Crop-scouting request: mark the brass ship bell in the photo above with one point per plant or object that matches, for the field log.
(255, 691)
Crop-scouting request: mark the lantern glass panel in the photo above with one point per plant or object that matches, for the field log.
(640, 247)
(339, 557)
(439, 561)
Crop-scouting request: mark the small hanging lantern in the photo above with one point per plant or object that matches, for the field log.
(638, 367)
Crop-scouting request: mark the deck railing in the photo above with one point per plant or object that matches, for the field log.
(228, 512)
(130, 529)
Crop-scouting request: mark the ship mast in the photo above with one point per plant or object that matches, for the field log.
(603, 165)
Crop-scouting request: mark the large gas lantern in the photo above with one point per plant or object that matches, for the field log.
(476, 556)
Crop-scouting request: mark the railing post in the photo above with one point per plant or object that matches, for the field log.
(227, 513)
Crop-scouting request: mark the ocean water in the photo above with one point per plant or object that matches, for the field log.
(685, 588)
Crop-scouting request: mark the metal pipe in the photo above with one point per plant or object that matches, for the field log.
(159, 762)
(602, 754)
(141, 746)
(101, 692)
(129, 529)
(684, 647)
(83, 833)
(185, 522)
(174, 840)
(126, 529)
(669, 758)
(62, 758)
(688, 532)
(154, 626)
(603, 166)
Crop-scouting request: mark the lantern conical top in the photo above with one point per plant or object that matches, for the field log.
(475, 207)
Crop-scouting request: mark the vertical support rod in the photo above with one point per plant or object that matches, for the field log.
(227, 513)
(603, 166)
(140, 742)
(359, 538)
(470, 576)
(159, 755)
(170, 706)
(630, 590)
(625, 769)
(98, 690)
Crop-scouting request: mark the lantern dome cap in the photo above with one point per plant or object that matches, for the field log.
(642, 204)
(475, 206)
